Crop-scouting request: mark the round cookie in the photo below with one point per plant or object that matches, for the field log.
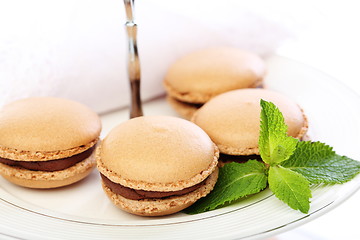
(47, 142)
(201, 75)
(232, 119)
(157, 165)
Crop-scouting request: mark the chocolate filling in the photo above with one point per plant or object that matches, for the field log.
(51, 165)
(240, 159)
(195, 105)
(135, 194)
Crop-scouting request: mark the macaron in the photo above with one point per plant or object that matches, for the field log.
(47, 142)
(197, 77)
(232, 119)
(157, 165)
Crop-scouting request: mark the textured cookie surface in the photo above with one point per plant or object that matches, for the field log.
(157, 153)
(199, 76)
(160, 207)
(232, 119)
(47, 124)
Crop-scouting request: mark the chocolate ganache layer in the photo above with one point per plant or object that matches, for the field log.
(51, 165)
(238, 158)
(195, 105)
(135, 194)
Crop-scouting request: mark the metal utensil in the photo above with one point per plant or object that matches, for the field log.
(133, 61)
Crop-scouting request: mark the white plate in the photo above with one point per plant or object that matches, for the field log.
(82, 211)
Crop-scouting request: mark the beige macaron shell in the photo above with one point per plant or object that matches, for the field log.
(185, 110)
(47, 124)
(161, 207)
(199, 76)
(157, 153)
(232, 119)
(44, 180)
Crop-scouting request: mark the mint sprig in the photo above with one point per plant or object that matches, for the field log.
(235, 181)
(291, 167)
(275, 145)
(290, 187)
(320, 164)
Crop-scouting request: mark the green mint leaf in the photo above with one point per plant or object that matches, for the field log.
(236, 180)
(290, 187)
(320, 164)
(275, 145)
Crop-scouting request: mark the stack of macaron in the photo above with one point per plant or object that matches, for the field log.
(199, 76)
(157, 165)
(218, 89)
(47, 142)
(232, 120)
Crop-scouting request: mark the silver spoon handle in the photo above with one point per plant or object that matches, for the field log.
(133, 60)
